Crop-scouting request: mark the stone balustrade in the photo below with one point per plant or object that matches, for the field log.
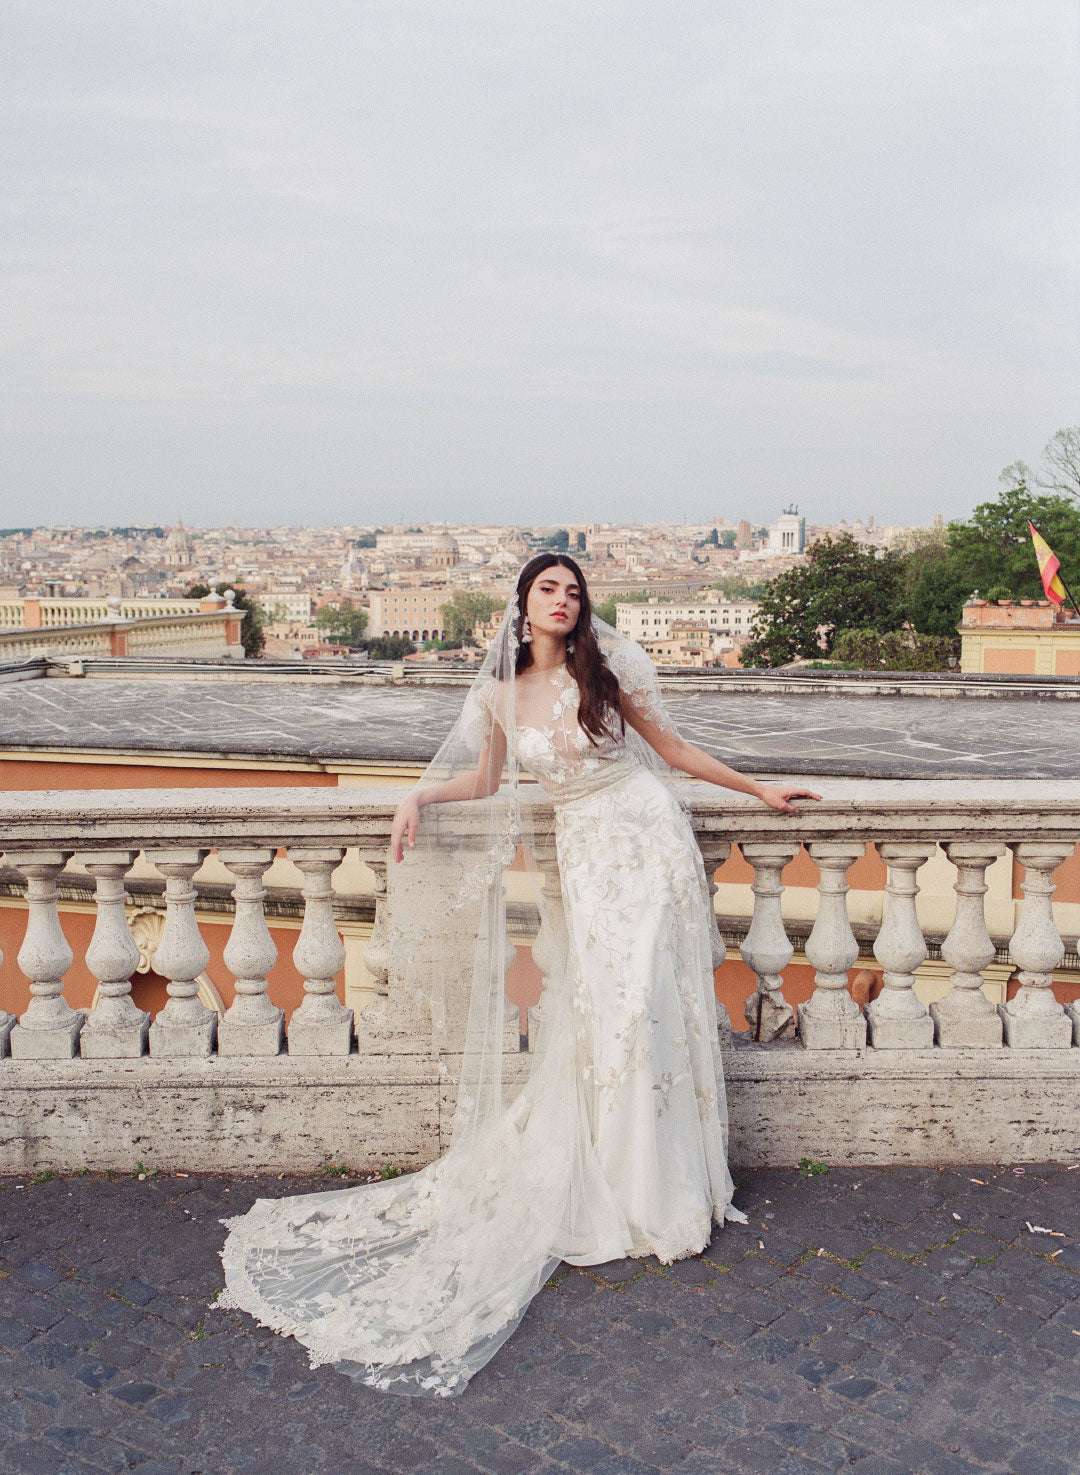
(34, 612)
(963, 1079)
(192, 633)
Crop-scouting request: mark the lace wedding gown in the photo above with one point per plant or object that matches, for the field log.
(615, 1146)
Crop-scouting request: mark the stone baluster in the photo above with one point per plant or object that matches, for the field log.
(377, 953)
(896, 1019)
(766, 948)
(116, 1027)
(965, 1016)
(49, 1030)
(510, 953)
(714, 853)
(7, 1022)
(1034, 1019)
(322, 1025)
(251, 1025)
(830, 1019)
(549, 945)
(185, 1026)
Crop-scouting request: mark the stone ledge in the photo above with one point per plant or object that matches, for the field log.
(850, 1108)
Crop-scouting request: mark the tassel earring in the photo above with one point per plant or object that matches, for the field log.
(570, 646)
(526, 631)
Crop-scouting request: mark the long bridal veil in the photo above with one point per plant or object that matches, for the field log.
(413, 1283)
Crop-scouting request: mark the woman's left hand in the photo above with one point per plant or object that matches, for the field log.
(780, 797)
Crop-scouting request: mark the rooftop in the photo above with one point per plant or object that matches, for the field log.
(752, 723)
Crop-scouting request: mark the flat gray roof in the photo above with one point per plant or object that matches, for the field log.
(761, 731)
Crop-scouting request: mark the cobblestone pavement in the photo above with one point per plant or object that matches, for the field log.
(878, 1321)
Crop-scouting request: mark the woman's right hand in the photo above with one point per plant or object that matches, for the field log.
(406, 819)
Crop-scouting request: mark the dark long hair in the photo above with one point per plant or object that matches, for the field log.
(599, 712)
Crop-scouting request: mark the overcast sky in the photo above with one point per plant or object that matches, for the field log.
(369, 260)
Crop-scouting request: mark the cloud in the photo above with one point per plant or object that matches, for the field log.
(594, 256)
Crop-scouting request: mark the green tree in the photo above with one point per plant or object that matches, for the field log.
(344, 623)
(252, 631)
(463, 611)
(389, 647)
(579, 542)
(895, 650)
(993, 548)
(738, 586)
(937, 598)
(559, 541)
(841, 586)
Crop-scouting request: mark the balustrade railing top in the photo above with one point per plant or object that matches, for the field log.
(941, 809)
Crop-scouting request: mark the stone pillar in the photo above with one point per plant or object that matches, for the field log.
(714, 853)
(185, 1026)
(1034, 1019)
(965, 1016)
(322, 1025)
(896, 1020)
(116, 1027)
(830, 1019)
(251, 1025)
(766, 947)
(49, 1030)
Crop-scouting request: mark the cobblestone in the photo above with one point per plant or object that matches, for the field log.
(872, 1333)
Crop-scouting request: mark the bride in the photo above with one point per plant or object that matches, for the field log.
(612, 1141)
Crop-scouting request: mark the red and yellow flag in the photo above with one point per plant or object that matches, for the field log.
(1048, 566)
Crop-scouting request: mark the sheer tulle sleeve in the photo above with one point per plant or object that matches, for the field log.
(478, 714)
(638, 679)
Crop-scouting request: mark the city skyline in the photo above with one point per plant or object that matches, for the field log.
(457, 263)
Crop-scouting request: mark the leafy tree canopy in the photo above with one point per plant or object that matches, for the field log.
(896, 650)
(937, 598)
(389, 647)
(344, 623)
(463, 611)
(841, 586)
(993, 548)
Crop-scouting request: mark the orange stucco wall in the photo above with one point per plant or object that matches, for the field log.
(1008, 661)
(867, 874)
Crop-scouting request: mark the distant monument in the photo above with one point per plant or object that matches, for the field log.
(179, 547)
(788, 533)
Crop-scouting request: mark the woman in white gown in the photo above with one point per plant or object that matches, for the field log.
(615, 1144)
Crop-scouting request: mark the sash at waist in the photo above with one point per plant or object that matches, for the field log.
(611, 771)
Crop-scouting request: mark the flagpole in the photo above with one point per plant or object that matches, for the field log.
(1068, 591)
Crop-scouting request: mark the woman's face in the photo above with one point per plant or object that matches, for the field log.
(554, 601)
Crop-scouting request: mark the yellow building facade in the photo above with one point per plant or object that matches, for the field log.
(1023, 638)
